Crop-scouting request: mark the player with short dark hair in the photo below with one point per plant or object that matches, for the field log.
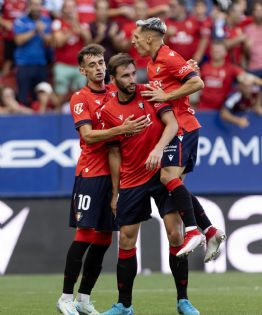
(91, 214)
(172, 80)
(139, 183)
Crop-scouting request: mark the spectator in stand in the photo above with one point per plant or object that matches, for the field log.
(185, 34)
(218, 16)
(200, 11)
(46, 100)
(32, 33)
(235, 37)
(121, 11)
(245, 99)
(10, 10)
(219, 76)
(141, 9)
(68, 37)
(54, 7)
(157, 9)
(105, 32)
(253, 43)
(86, 10)
(9, 103)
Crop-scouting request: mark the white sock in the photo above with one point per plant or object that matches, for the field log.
(205, 231)
(83, 297)
(190, 228)
(65, 296)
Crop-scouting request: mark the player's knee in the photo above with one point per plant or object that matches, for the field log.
(166, 178)
(175, 237)
(127, 240)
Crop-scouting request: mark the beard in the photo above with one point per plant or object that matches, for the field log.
(124, 89)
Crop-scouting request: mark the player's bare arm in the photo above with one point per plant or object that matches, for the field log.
(92, 136)
(114, 158)
(191, 86)
(171, 128)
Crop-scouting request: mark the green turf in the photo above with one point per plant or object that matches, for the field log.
(213, 294)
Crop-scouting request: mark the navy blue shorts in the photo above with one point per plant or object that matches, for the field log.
(90, 203)
(134, 203)
(182, 151)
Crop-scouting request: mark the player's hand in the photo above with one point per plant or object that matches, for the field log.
(131, 126)
(243, 122)
(113, 203)
(193, 64)
(155, 94)
(154, 159)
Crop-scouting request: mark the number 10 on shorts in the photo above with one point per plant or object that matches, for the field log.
(83, 202)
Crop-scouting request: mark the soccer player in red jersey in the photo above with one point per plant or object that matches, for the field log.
(91, 214)
(138, 183)
(172, 80)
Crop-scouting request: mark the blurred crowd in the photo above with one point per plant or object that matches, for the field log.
(40, 40)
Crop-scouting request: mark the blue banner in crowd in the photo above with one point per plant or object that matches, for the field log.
(38, 155)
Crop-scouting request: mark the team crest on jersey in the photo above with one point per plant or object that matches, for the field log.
(158, 69)
(121, 117)
(78, 108)
(141, 105)
(170, 156)
(78, 216)
(171, 54)
(180, 138)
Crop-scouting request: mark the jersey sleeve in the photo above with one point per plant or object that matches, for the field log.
(179, 68)
(80, 110)
(107, 122)
(161, 108)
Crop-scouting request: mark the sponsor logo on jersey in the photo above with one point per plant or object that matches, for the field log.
(98, 102)
(121, 117)
(156, 105)
(141, 105)
(171, 54)
(184, 69)
(180, 138)
(170, 156)
(158, 69)
(78, 108)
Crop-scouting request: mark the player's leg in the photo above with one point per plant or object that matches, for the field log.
(178, 265)
(91, 271)
(133, 207)
(214, 237)
(176, 157)
(86, 211)
(83, 239)
(182, 202)
(126, 270)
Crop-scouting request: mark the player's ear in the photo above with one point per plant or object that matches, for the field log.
(149, 39)
(112, 79)
(82, 70)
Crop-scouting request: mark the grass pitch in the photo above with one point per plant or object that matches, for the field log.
(213, 294)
